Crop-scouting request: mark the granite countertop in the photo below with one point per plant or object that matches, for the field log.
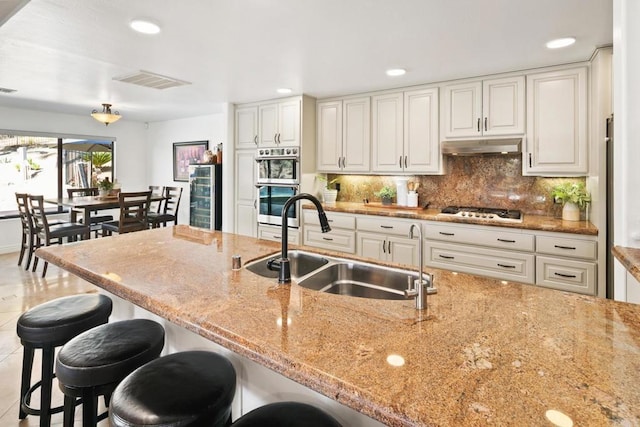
(630, 258)
(530, 222)
(484, 352)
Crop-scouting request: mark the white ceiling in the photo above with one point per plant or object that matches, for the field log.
(62, 55)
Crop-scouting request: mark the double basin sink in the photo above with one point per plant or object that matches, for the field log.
(340, 276)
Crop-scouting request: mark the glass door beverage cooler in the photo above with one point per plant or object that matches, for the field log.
(205, 196)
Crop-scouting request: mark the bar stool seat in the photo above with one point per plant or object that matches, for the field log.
(190, 388)
(287, 414)
(93, 363)
(47, 326)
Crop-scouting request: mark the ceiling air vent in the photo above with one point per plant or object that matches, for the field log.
(152, 80)
(7, 90)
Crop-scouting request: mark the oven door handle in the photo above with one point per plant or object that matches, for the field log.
(292, 186)
(284, 157)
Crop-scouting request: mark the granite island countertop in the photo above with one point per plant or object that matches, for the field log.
(530, 222)
(484, 352)
(630, 259)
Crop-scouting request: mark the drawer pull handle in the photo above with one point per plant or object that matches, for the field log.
(277, 237)
(447, 234)
(506, 241)
(446, 257)
(506, 266)
(568, 276)
(565, 247)
(327, 239)
(387, 226)
(329, 220)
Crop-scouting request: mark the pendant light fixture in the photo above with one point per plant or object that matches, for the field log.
(106, 116)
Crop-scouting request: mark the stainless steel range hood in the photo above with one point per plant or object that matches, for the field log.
(481, 146)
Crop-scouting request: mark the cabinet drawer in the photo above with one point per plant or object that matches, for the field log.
(335, 219)
(566, 275)
(338, 240)
(468, 235)
(562, 246)
(383, 225)
(274, 234)
(494, 263)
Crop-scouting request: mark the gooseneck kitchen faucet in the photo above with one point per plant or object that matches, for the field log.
(284, 275)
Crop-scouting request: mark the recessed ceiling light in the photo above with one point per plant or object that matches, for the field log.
(563, 42)
(284, 90)
(394, 72)
(145, 27)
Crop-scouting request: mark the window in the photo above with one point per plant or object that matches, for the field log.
(31, 164)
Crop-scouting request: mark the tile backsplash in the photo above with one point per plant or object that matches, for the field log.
(489, 181)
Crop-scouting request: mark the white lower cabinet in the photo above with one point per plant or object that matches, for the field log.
(342, 236)
(386, 239)
(274, 233)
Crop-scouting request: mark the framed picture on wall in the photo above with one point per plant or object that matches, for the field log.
(185, 153)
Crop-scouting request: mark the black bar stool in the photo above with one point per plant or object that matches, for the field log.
(93, 363)
(190, 388)
(47, 326)
(287, 414)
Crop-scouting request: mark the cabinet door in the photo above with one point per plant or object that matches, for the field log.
(387, 140)
(268, 122)
(372, 245)
(402, 250)
(421, 142)
(329, 136)
(245, 193)
(503, 106)
(557, 123)
(356, 138)
(246, 127)
(289, 123)
(462, 110)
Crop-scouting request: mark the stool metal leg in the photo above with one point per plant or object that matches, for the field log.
(89, 408)
(27, 367)
(69, 411)
(45, 391)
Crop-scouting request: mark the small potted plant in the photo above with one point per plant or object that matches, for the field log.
(573, 196)
(104, 186)
(329, 195)
(386, 194)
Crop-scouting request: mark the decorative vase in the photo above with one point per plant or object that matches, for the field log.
(571, 212)
(103, 193)
(386, 200)
(329, 196)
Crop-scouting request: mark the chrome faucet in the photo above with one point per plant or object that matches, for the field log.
(284, 274)
(420, 288)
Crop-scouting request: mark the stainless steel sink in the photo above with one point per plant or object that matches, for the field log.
(301, 263)
(341, 276)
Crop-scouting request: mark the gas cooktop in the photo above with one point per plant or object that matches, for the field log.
(486, 214)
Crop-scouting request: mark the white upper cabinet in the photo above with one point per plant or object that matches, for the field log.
(343, 138)
(492, 107)
(556, 123)
(246, 127)
(279, 124)
(405, 132)
(421, 142)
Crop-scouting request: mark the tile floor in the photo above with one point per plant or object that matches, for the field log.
(19, 291)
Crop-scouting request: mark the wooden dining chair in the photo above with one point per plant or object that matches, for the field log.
(169, 212)
(47, 234)
(156, 206)
(95, 222)
(133, 213)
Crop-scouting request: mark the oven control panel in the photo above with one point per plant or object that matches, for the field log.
(278, 152)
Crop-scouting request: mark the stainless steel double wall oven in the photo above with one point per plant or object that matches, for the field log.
(278, 172)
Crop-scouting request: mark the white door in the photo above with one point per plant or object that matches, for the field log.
(503, 106)
(246, 127)
(421, 142)
(268, 121)
(356, 138)
(402, 250)
(329, 136)
(289, 123)
(462, 110)
(245, 193)
(372, 245)
(387, 142)
(557, 123)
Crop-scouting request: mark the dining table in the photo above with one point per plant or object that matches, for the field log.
(89, 204)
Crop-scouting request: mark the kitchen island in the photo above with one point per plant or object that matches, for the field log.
(484, 352)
